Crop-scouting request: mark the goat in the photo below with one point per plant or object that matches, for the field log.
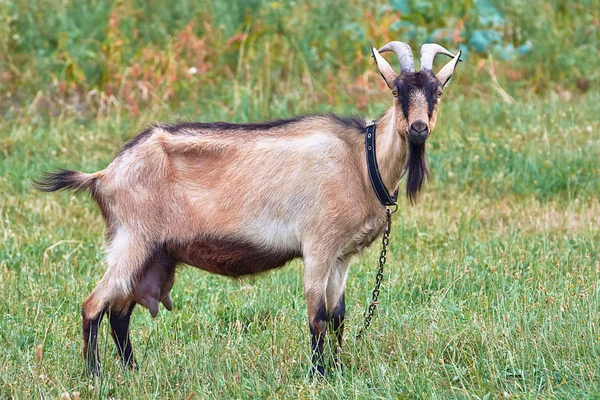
(238, 199)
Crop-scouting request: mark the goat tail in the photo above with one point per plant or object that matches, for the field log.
(67, 179)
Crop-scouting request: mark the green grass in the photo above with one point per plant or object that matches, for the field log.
(492, 285)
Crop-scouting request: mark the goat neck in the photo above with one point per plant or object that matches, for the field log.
(390, 149)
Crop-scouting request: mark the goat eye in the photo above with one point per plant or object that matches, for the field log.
(439, 94)
(395, 93)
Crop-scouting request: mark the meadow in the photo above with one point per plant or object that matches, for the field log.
(492, 286)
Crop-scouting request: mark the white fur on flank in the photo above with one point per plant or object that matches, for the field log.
(123, 253)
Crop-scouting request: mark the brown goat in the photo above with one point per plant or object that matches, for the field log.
(237, 199)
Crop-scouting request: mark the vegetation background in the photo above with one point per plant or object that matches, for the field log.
(492, 288)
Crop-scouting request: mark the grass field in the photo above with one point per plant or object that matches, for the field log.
(492, 288)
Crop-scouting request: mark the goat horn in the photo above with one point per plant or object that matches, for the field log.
(404, 54)
(428, 53)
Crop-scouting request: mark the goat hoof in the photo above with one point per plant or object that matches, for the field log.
(93, 370)
(130, 364)
(317, 371)
(133, 367)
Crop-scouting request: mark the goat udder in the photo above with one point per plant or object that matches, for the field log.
(154, 286)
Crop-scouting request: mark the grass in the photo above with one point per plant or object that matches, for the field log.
(492, 285)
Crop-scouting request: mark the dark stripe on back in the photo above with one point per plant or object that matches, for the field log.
(352, 122)
(356, 122)
(133, 142)
(228, 126)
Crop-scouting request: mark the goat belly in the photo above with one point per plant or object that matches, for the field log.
(229, 257)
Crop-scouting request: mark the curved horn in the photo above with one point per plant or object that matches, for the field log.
(385, 69)
(428, 53)
(404, 54)
(447, 70)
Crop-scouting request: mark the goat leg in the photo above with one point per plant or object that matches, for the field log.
(91, 314)
(119, 324)
(337, 326)
(318, 330)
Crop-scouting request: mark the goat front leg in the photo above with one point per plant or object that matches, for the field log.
(336, 304)
(337, 326)
(315, 286)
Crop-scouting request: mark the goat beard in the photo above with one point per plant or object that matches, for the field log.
(416, 168)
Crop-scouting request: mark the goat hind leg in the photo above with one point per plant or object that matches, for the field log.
(92, 312)
(155, 285)
(119, 324)
(125, 258)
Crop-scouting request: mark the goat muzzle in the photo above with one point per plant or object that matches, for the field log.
(418, 132)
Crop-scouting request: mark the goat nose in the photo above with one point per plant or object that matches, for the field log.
(418, 132)
(419, 127)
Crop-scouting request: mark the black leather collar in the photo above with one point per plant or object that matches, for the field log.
(378, 186)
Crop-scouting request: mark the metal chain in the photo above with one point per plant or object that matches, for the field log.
(379, 277)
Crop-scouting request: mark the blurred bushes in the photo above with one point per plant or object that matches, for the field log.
(103, 56)
(545, 44)
(250, 59)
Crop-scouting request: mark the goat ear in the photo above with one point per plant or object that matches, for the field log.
(385, 69)
(446, 72)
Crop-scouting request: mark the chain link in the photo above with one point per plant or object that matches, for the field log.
(382, 259)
